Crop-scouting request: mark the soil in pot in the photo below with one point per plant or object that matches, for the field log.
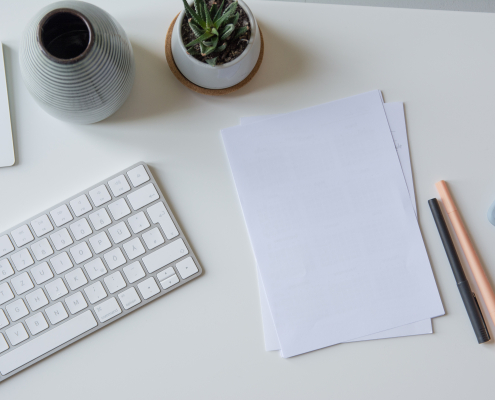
(235, 47)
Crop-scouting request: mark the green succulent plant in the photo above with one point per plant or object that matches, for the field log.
(212, 27)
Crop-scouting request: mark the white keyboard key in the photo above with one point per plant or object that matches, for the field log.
(165, 255)
(100, 219)
(42, 249)
(22, 235)
(36, 299)
(76, 303)
(36, 324)
(61, 239)
(80, 205)
(129, 298)
(119, 232)
(22, 259)
(166, 273)
(56, 313)
(42, 225)
(153, 238)
(76, 279)
(186, 268)
(61, 215)
(134, 248)
(17, 310)
(22, 283)
(62, 262)
(108, 309)
(138, 222)
(100, 195)
(6, 269)
(134, 272)
(95, 292)
(3, 319)
(81, 252)
(138, 175)
(100, 242)
(143, 196)
(119, 209)
(95, 268)
(169, 282)
(115, 282)
(115, 258)
(6, 245)
(81, 229)
(148, 288)
(159, 215)
(17, 334)
(46, 342)
(56, 289)
(3, 344)
(5, 293)
(41, 273)
(119, 185)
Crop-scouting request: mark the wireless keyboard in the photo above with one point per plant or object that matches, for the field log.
(85, 263)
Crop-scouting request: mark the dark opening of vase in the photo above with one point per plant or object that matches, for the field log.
(65, 35)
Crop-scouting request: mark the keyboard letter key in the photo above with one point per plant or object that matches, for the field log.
(6, 245)
(5, 269)
(108, 309)
(42, 225)
(138, 175)
(148, 288)
(80, 205)
(61, 215)
(129, 298)
(165, 255)
(22, 235)
(143, 196)
(159, 215)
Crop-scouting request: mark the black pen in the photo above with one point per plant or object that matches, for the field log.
(468, 297)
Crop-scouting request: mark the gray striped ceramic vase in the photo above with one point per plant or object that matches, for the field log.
(77, 62)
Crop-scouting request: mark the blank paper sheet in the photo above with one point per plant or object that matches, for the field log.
(334, 233)
(397, 123)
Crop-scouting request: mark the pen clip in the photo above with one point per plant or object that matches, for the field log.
(482, 317)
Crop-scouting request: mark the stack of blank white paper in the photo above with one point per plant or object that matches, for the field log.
(328, 200)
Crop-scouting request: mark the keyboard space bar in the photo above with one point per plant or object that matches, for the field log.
(46, 342)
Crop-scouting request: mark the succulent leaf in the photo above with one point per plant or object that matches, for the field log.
(196, 29)
(219, 11)
(209, 22)
(203, 37)
(199, 6)
(222, 47)
(227, 31)
(196, 18)
(213, 47)
(229, 11)
(235, 19)
(192, 51)
(213, 11)
(241, 31)
(212, 61)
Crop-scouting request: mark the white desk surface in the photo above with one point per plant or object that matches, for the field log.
(204, 341)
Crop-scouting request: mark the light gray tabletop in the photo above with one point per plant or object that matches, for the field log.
(204, 341)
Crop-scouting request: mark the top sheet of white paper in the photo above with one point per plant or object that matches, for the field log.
(397, 122)
(333, 230)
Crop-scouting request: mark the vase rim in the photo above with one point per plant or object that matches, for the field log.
(73, 12)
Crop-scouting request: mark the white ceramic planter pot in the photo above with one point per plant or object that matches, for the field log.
(221, 76)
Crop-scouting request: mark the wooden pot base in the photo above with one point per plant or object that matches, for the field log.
(211, 92)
